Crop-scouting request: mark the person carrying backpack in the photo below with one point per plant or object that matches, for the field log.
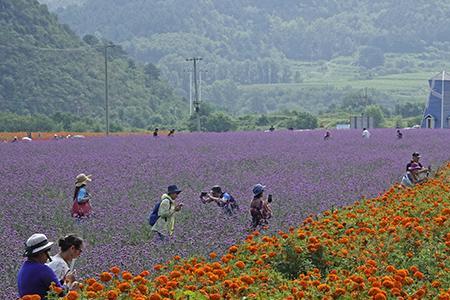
(162, 217)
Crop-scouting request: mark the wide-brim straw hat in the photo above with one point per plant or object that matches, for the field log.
(82, 179)
(36, 243)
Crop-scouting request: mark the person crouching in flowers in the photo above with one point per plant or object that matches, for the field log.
(162, 218)
(259, 207)
(411, 177)
(63, 263)
(81, 198)
(34, 276)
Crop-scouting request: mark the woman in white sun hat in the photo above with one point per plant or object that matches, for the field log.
(81, 198)
(35, 277)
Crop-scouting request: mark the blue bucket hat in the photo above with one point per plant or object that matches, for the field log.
(173, 189)
(258, 189)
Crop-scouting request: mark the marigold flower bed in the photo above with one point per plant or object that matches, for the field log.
(395, 246)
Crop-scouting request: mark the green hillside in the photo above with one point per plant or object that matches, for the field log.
(47, 70)
(251, 47)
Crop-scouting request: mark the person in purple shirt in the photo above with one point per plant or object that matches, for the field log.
(34, 276)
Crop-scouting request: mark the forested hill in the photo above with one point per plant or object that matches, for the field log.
(250, 46)
(239, 29)
(47, 69)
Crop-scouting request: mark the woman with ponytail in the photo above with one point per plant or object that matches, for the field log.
(62, 263)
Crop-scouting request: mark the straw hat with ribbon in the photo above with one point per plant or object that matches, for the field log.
(82, 179)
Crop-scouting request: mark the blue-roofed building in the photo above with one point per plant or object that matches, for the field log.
(437, 111)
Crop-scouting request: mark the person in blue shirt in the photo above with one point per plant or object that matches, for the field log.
(81, 198)
(222, 199)
(35, 277)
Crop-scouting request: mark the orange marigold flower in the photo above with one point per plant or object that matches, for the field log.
(339, 292)
(436, 284)
(56, 289)
(357, 279)
(240, 264)
(127, 275)
(105, 276)
(72, 295)
(379, 296)
(247, 279)
(323, 287)
(158, 267)
(419, 275)
(402, 272)
(31, 297)
(155, 296)
(115, 270)
(388, 284)
(91, 295)
(213, 255)
(390, 268)
(145, 273)
(233, 249)
(124, 286)
(215, 297)
(177, 257)
(112, 295)
(175, 274)
(91, 281)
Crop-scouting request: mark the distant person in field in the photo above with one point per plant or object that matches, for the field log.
(222, 199)
(155, 132)
(271, 129)
(399, 134)
(63, 263)
(171, 133)
(34, 276)
(365, 133)
(162, 217)
(260, 209)
(15, 140)
(327, 136)
(81, 199)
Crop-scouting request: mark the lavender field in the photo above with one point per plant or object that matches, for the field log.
(305, 174)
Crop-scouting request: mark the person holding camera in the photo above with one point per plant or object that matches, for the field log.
(222, 199)
(415, 171)
(162, 218)
(416, 160)
(260, 209)
(63, 263)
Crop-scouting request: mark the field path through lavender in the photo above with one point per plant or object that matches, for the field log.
(304, 173)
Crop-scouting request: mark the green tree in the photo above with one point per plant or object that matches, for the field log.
(219, 122)
(376, 112)
(370, 57)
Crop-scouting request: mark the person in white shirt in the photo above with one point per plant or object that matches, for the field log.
(62, 263)
(365, 133)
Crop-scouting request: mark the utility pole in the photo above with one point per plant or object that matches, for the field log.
(106, 88)
(196, 99)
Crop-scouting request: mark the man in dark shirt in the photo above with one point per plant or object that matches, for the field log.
(415, 159)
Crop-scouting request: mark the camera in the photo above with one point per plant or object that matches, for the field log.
(203, 194)
(269, 198)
